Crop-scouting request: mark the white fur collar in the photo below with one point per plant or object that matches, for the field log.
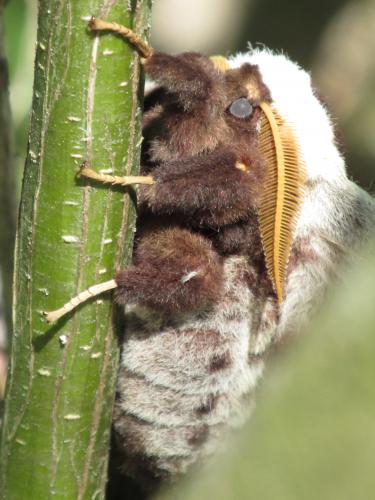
(294, 98)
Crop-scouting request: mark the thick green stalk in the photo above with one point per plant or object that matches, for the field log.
(7, 183)
(71, 234)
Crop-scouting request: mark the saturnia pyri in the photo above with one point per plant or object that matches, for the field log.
(245, 212)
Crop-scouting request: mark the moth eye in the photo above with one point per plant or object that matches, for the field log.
(241, 108)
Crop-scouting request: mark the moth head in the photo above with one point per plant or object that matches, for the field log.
(294, 99)
(198, 106)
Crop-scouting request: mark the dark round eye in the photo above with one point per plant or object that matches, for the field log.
(241, 108)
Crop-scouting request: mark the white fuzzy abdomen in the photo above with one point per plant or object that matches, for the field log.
(184, 380)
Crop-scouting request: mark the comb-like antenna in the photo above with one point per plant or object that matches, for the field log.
(92, 291)
(142, 47)
(221, 63)
(282, 195)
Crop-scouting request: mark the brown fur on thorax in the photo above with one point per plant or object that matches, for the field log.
(198, 261)
(171, 131)
(190, 130)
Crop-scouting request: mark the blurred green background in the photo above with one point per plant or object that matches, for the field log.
(332, 38)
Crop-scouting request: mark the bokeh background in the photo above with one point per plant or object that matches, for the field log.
(334, 39)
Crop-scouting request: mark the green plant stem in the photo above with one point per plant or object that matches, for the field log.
(71, 235)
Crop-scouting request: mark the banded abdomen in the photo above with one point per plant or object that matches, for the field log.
(184, 380)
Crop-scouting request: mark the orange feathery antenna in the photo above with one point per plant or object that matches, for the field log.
(283, 189)
(221, 63)
(283, 193)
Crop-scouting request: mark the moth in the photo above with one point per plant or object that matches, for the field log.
(245, 214)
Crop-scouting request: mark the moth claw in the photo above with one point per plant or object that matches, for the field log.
(82, 168)
(92, 24)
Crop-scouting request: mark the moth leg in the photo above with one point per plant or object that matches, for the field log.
(92, 291)
(168, 70)
(174, 270)
(103, 178)
(142, 47)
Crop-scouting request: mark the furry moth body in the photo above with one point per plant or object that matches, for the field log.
(226, 261)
